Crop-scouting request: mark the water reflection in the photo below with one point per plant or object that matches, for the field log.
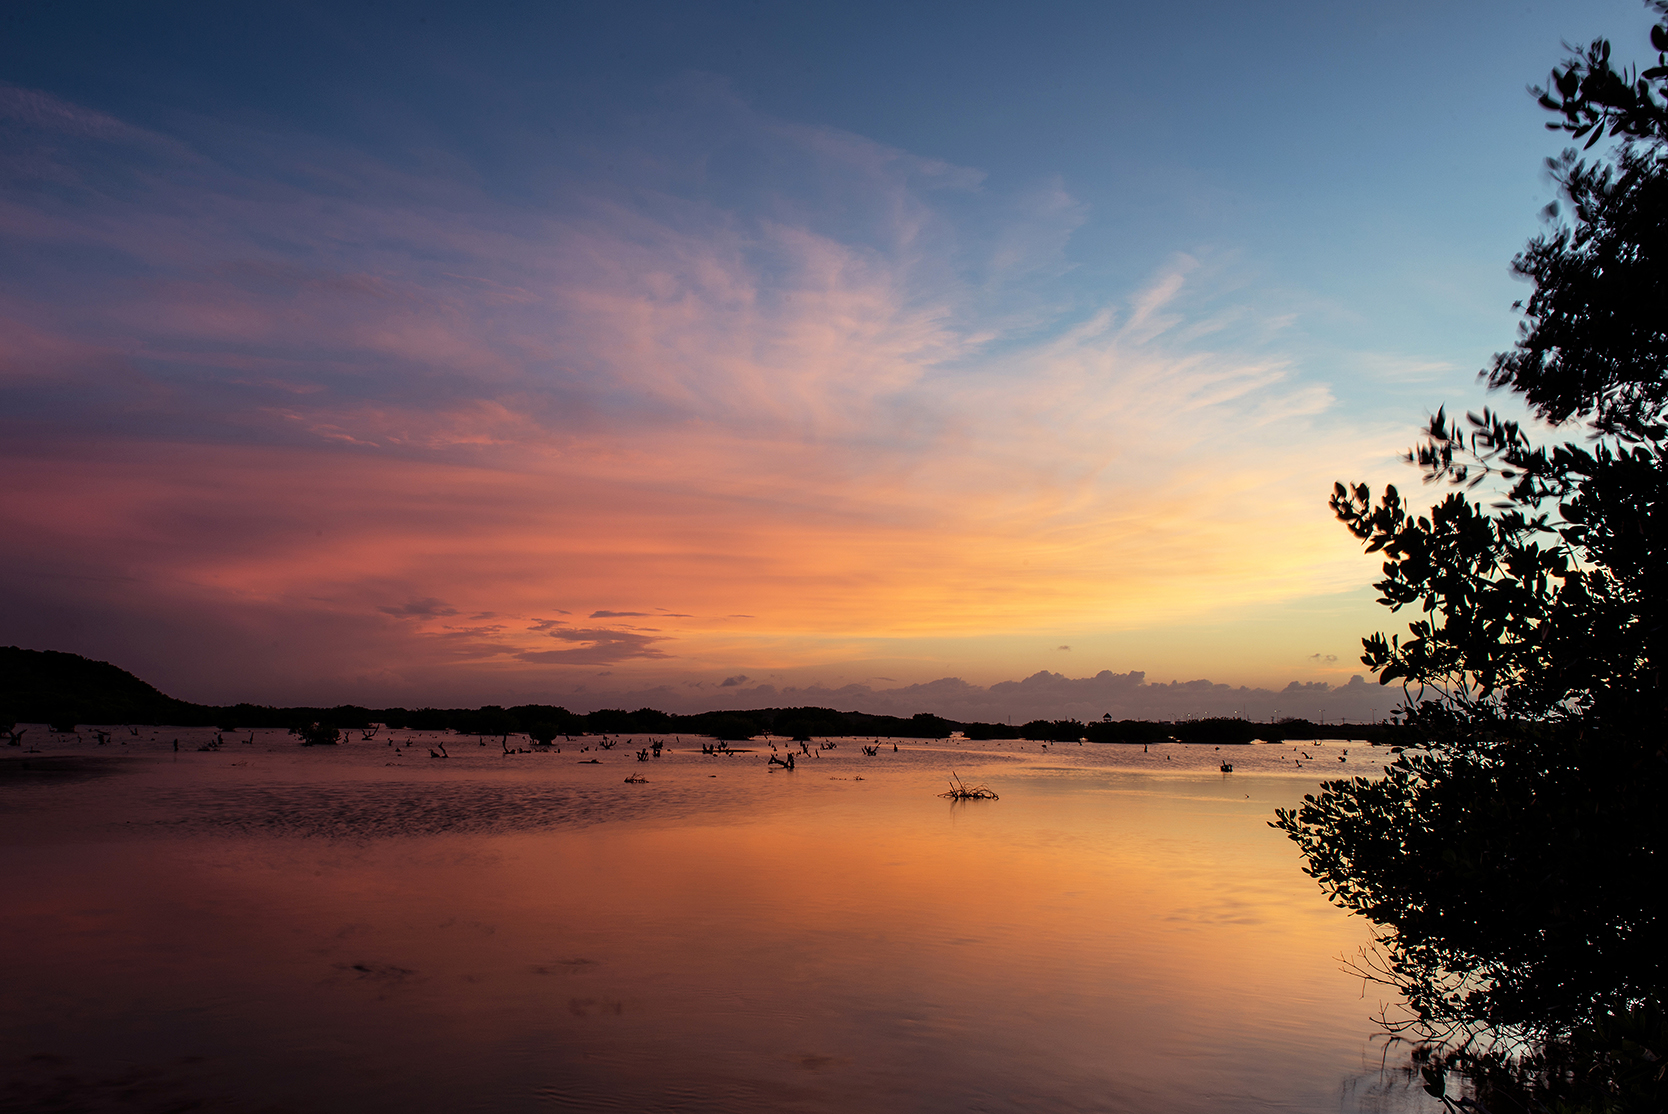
(320, 931)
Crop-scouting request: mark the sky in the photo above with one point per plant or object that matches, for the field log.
(965, 358)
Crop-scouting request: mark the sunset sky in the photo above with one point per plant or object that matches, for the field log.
(703, 355)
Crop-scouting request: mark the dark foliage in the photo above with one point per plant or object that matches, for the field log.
(558, 719)
(489, 719)
(648, 720)
(1053, 730)
(615, 721)
(1514, 866)
(320, 735)
(1128, 731)
(809, 723)
(1595, 340)
(729, 726)
(1514, 877)
(352, 717)
(543, 732)
(923, 725)
(427, 719)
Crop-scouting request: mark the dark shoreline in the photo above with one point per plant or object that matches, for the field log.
(65, 691)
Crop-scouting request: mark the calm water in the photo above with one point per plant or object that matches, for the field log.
(272, 928)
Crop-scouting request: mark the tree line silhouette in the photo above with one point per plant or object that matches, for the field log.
(66, 690)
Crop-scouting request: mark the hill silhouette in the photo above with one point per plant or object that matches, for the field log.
(47, 686)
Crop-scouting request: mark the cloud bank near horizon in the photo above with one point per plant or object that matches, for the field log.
(1043, 695)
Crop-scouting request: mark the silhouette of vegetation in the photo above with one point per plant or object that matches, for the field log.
(616, 721)
(804, 724)
(961, 791)
(320, 735)
(731, 727)
(1514, 867)
(543, 732)
(488, 720)
(52, 687)
(1053, 730)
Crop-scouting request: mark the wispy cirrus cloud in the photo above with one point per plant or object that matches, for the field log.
(427, 608)
(596, 647)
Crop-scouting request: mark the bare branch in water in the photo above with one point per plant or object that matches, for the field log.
(961, 791)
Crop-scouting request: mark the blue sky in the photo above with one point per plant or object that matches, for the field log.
(884, 343)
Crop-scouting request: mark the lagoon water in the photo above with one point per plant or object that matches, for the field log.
(274, 928)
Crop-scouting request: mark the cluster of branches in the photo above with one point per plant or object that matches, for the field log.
(1514, 867)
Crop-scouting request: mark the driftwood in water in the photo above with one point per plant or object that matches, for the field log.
(961, 791)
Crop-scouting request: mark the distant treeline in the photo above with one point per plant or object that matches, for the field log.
(64, 690)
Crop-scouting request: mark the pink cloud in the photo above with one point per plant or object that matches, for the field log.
(596, 647)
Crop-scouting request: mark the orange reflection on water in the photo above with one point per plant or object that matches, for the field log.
(1091, 941)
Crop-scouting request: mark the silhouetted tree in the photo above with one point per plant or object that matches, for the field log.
(808, 723)
(925, 725)
(1053, 730)
(320, 735)
(729, 726)
(1514, 867)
